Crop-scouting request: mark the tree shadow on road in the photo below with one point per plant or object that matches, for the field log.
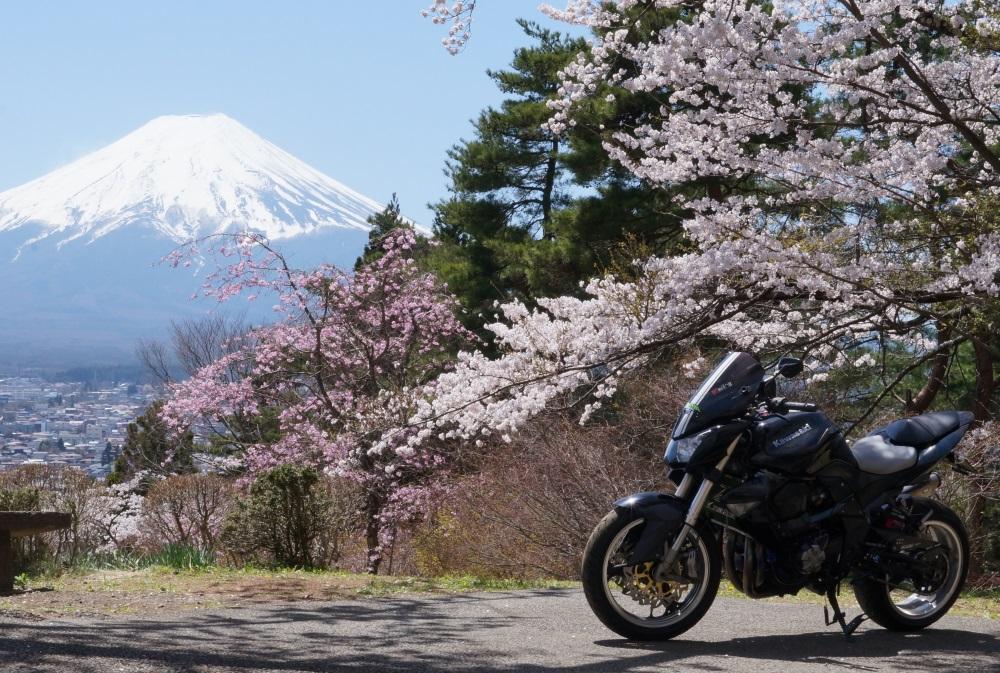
(930, 650)
(454, 634)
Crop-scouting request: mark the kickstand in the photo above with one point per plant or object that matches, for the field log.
(839, 616)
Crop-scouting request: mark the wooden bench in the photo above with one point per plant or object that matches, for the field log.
(19, 524)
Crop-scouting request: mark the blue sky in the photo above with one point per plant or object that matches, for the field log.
(363, 91)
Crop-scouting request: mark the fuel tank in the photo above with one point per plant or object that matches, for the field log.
(789, 442)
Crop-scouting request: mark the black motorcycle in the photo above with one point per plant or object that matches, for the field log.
(769, 492)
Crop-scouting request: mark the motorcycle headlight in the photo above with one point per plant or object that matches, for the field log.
(680, 450)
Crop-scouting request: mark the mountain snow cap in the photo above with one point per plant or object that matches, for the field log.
(185, 176)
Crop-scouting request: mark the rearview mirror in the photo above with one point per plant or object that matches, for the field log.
(789, 367)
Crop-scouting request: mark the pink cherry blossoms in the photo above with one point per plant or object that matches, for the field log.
(346, 363)
(459, 17)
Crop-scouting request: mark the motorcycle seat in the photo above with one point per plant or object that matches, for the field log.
(875, 454)
(924, 430)
(901, 444)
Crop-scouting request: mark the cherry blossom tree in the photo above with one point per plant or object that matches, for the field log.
(346, 362)
(864, 134)
(115, 513)
(856, 149)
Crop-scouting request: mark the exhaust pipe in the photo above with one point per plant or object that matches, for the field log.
(924, 487)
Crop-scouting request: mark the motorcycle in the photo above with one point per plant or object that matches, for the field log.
(769, 493)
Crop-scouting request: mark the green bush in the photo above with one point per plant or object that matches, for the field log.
(282, 521)
(19, 499)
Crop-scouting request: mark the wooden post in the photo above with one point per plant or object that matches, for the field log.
(6, 564)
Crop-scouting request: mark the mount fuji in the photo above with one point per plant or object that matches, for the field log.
(79, 280)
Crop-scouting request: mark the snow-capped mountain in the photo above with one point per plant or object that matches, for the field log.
(79, 246)
(185, 176)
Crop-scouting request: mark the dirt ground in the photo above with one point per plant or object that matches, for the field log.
(161, 590)
(117, 592)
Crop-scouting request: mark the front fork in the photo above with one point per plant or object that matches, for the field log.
(697, 505)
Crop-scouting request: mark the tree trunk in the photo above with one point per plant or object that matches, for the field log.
(985, 385)
(372, 530)
(392, 548)
(550, 181)
(939, 367)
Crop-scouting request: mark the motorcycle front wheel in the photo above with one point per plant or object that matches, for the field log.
(646, 601)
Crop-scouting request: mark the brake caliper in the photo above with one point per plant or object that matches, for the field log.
(639, 582)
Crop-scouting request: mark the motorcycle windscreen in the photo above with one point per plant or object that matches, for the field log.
(727, 392)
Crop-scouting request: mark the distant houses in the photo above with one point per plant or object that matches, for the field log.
(66, 423)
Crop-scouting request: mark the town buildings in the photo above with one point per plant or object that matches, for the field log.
(75, 424)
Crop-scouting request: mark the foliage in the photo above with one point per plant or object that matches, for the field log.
(854, 226)
(977, 495)
(150, 446)
(532, 212)
(281, 520)
(20, 499)
(835, 167)
(458, 15)
(853, 220)
(531, 505)
(181, 557)
(192, 344)
(346, 362)
(56, 488)
(100, 517)
(186, 511)
(382, 224)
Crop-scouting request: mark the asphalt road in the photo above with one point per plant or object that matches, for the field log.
(532, 632)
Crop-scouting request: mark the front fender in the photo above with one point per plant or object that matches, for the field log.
(664, 515)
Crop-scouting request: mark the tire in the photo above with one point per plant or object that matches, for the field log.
(917, 611)
(596, 589)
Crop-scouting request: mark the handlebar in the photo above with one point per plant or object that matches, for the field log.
(781, 405)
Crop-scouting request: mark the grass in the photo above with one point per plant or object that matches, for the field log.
(379, 586)
(174, 556)
(180, 581)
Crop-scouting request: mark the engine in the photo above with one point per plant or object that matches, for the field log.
(776, 501)
(786, 543)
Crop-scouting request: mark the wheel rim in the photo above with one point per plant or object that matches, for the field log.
(693, 559)
(908, 601)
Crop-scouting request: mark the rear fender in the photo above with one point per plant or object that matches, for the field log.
(664, 515)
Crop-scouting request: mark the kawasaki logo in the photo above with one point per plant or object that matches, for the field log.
(795, 435)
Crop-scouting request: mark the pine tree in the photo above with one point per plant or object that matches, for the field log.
(108, 455)
(532, 213)
(149, 445)
(381, 223)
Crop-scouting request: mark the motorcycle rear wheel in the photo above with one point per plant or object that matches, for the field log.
(906, 608)
(699, 561)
